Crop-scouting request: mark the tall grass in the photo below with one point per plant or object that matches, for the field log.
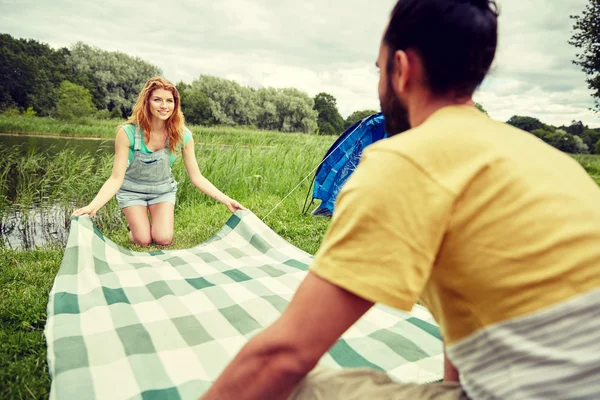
(84, 127)
(88, 127)
(591, 163)
(40, 186)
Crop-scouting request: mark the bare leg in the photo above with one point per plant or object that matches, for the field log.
(162, 222)
(137, 218)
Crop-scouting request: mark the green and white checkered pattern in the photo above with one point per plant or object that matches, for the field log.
(164, 324)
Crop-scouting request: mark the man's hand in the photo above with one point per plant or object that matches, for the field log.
(450, 371)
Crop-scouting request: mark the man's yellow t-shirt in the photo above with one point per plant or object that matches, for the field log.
(495, 231)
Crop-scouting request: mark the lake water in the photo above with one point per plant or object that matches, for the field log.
(43, 223)
(40, 225)
(53, 145)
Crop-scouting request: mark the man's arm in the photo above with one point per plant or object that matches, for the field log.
(273, 362)
(450, 371)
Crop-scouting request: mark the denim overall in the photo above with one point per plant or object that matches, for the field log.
(148, 178)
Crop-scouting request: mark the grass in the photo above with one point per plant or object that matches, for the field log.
(256, 168)
(88, 127)
(591, 163)
(25, 280)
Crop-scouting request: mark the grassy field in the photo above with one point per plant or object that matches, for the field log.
(257, 168)
(591, 163)
(86, 127)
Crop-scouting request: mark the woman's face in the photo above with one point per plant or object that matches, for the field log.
(162, 104)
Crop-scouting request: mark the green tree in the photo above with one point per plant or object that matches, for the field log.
(590, 138)
(357, 116)
(285, 110)
(576, 128)
(103, 114)
(292, 109)
(195, 106)
(116, 112)
(580, 146)
(586, 38)
(528, 124)
(562, 140)
(30, 71)
(268, 116)
(597, 148)
(544, 134)
(329, 120)
(114, 79)
(230, 103)
(480, 108)
(74, 101)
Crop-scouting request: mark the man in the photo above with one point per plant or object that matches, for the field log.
(495, 231)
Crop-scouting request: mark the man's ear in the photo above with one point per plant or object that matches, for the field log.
(401, 72)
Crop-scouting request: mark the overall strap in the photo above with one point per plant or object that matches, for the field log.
(137, 144)
(167, 142)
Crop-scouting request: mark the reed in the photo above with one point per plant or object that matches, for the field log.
(38, 186)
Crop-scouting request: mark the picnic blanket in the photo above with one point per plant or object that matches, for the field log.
(164, 324)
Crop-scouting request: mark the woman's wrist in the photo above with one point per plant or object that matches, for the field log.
(220, 197)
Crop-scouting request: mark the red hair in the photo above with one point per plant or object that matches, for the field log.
(140, 115)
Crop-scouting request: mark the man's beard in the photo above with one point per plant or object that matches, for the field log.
(395, 113)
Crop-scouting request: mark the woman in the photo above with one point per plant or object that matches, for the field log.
(141, 178)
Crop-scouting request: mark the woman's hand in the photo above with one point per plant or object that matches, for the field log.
(203, 184)
(89, 209)
(232, 205)
(114, 182)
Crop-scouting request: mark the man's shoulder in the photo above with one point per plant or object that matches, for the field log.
(456, 133)
(450, 124)
(450, 147)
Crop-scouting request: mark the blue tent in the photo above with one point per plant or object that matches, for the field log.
(341, 159)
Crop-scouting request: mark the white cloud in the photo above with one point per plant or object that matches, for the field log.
(314, 45)
(533, 73)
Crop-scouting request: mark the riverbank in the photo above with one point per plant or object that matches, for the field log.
(107, 129)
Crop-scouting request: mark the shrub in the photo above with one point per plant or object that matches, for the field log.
(12, 112)
(30, 112)
(103, 114)
(74, 101)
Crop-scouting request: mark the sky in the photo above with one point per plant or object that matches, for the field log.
(315, 46)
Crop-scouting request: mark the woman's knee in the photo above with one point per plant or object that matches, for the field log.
(140, 239)
(162, 238)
